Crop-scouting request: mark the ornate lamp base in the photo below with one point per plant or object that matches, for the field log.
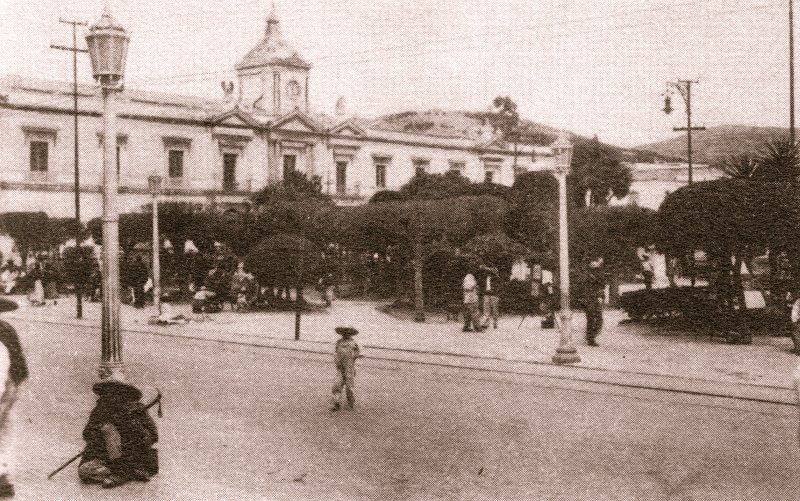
(566, 354)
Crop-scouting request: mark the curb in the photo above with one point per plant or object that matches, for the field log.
(570, 373)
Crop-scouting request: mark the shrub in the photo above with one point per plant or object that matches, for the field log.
(691, 303)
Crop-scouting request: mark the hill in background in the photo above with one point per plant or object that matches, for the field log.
(469, 125)
(717, 142)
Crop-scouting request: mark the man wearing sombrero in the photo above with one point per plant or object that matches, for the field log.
(13, 371)
(119, 437)
(347, 352)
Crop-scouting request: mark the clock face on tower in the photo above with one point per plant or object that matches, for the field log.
(293, 90)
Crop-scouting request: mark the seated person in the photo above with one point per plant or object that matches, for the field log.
(203, 301)
(119, 437)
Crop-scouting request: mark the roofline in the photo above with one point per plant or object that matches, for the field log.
(268, 127)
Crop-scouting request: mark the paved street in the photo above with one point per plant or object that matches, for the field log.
(245, 422)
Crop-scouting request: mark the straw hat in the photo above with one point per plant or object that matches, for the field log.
(7, 305)
(116, 386)
(346, 331)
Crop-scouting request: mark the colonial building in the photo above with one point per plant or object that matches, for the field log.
(220, 151)
(652, 182)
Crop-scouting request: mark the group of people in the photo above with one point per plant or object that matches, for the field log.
(482, 290)
(42, 279)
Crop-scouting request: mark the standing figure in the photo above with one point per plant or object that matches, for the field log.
(347, 352)
(325, 288)
(648, 271)
(119, 437)
(36, 294)
(138, 277)
(469, 286)
(13, 371)
(595, 296)
(490, 285)
(240, 289)
(795, 316)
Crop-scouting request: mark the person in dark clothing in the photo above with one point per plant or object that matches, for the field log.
(490, 286)
(119, 437)
(595, 296)
(138, 278)
(14, 371)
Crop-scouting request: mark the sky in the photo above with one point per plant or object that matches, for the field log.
(594, 67)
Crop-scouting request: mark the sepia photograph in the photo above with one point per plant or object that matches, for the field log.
(399, 250)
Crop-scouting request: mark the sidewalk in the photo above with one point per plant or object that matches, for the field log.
(629, 354)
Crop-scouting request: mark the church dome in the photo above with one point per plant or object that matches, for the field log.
(273, 50)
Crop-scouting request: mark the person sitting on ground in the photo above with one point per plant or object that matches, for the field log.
(201, 303)
(119, 437)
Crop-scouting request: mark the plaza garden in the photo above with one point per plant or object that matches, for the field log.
(409, 249)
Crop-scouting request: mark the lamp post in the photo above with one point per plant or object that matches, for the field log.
(108, 48)
(562, 156)
(155, 189)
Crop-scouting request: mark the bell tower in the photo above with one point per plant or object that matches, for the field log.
(273, 77)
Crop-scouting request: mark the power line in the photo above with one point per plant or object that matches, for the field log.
(476, 43)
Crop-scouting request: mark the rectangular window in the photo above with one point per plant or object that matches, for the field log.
(459, 167)
(39, 156)
(341, 177)
(489, 176)
(119, 151)
(289, 164)
(229, 171)
(176, 164)
(380, 175)
(421, 166)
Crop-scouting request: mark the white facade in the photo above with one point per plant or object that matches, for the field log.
(651, 183)
(222, 151)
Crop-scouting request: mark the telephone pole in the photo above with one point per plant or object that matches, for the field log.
(791, 73)
(684, 88)
(75, 50)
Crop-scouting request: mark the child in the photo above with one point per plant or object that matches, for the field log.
(347, 352)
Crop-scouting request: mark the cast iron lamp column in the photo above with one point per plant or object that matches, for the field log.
(562, 156)
(108, 48)
(155, 189)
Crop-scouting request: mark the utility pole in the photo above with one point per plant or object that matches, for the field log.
(684, 87)
(75, 50)
(792, 142)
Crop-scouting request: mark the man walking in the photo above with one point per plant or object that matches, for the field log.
(595, 295)
(470, 288)
(13, 371)
(490, 284)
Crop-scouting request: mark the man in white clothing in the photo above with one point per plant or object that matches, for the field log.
(13, 371)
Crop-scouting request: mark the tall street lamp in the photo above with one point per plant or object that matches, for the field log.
(108, 48)
(155, 189)
(562, 156)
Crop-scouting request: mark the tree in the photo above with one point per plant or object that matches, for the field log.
(616, 234)
(28, 229)
(533, 212)
(597, 174)
(742, 166)
(424, 186)
(285, 259)
(415, 229)
(292, 206)
(779, 161)
(496, 249)
(734, 220)
(506, 119)
(134, 227)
